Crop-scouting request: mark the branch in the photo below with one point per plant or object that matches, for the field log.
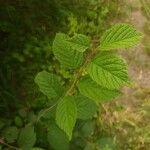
(7, 145)
(77, 76)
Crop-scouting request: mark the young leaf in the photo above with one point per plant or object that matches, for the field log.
(92, 90)
(120, 36)
(109, 71)
(57, 138)
(27, 138)
(79, 42)
(49, 84)
(86, 108)
(66, 114)
(66, 52)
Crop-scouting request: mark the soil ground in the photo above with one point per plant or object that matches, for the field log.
(131, 125)
(137, 58)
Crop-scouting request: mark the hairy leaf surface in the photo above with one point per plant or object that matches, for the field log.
(109, 71)
(65, 50)
(66, 114)
(92, 90)
(120, 36)
(49, 84)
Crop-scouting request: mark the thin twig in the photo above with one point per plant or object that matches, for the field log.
(7, 145)
(47, 110)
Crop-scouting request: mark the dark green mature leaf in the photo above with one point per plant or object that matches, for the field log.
(92, 90)
(66, 52)
(87, 128)
(57, 138)
(109, 71)
(120, 36)
(66, 114)
(86, 108)
(10, 134)
(27, 138)
(49, 84)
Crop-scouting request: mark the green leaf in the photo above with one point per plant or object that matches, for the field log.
(120, 36)
(79, 42)
(57, 138)
(18, 121)
(27, 138)
(41, 133)
(87, 128)
(49, 84)
(106, 143)
(92, 90)
(109, 71)
(66, 115)
(10, 134)
(66, 52)
(86, 108)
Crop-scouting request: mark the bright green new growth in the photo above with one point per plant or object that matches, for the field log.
(108, 70)
(120, 36)
(105, 74)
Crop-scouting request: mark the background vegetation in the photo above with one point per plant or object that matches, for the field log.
(27, 29)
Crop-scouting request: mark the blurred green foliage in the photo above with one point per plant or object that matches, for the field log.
(27, 29)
